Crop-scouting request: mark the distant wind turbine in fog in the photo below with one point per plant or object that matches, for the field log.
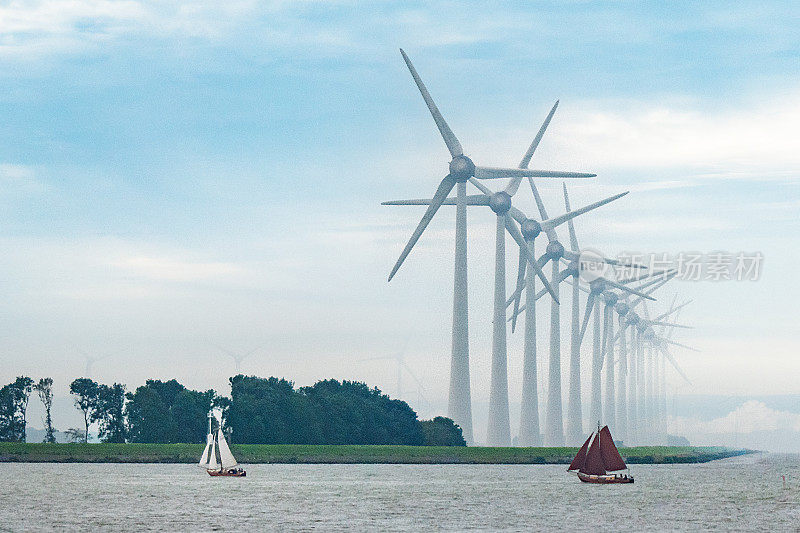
(238, 357)
(91, 360)
(401, 365)
(461, 170)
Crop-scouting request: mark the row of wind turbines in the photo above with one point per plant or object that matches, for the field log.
(629, 348)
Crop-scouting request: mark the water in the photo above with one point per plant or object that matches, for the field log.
(744, 493)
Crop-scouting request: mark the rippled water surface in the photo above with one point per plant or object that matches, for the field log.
(744, 493)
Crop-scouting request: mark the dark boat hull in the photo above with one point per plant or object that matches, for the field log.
(225, 473)
(603, 480)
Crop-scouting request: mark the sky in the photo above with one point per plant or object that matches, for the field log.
(181, 177)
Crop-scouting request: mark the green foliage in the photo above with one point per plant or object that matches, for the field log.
(13, 406)
(442, 431)
(271, 411)
(167, 412)
(110, 412)
(87, 396)
(44, 388)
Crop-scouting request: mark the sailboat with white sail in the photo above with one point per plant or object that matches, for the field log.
(217, 458)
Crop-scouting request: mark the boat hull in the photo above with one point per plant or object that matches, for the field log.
(607, 479)
(225, 473)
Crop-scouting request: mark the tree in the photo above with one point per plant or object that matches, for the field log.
(75, 435)
(86, 394)
(110, 412)
(442, 431)
(168, 412)
(13, 407)
(45, 390)
(271, 411)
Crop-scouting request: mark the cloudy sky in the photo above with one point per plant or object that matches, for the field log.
(177, 177)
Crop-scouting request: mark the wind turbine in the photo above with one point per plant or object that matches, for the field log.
(668, 334)
(238, 357)
(91, 360)
(627, 396)
(597, 288)
(574, 408)
(647, 342)
(498, 433)
(555, 252)
(401, 365)
(461, 170)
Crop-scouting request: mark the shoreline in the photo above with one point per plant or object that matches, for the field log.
(345, 454)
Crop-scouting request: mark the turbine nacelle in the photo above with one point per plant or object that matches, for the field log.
(499, 202)
(462, 169)
(633, 319)
(555, 250)
(610, 298)
(530, 229)
(573, 269)
(622, 308)
(597, 286)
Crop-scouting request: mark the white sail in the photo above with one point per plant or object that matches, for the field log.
(209, 460)
(225, 455)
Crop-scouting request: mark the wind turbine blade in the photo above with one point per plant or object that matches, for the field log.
(656, 283)
(538, 198)
(627, 289)
(475, 199)
(671, 332)
(516, 234)
(587, 314)
(444, 189)
(670, 324)
(517, 215)
(617, 262)
(673, 310)
(674, 363)
(523, 263)
(225, 350)
(495, 173)
(447, 134)
(483, 188)
(521, 309)
(668, 341)
(641, 275)
(526, 159)
(573, 239)
(513, 185)
(556, 221)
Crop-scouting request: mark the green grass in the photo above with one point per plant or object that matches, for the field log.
(291, 453)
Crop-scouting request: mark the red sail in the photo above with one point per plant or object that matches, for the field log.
(594, 460)
(581, 457)
(611, 457)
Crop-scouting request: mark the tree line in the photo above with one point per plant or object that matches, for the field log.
(258, 411)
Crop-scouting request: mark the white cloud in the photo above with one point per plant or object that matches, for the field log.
(750, 417)
(751, 143)
(19, 179)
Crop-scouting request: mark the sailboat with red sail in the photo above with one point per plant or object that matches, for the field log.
(597, 457)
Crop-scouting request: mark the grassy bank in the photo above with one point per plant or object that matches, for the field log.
(352, 454)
